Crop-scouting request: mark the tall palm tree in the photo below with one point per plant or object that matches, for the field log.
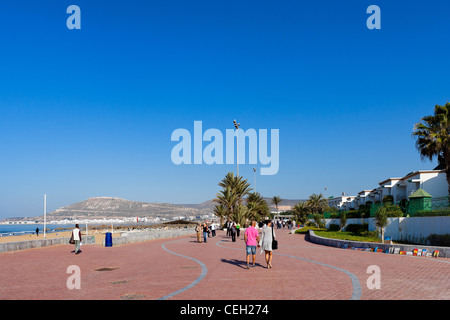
(433, 138)
(227, 198)
(316, 202)
(301, 211)
(381, 220)
(240, 214)
(276, 200)
(257, 206)
(240, 186)
(234, 189)
(220, 211)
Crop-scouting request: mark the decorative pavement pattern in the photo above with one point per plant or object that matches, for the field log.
(182, 269)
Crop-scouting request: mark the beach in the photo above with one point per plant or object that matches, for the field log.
(98, 233)
(99, 236)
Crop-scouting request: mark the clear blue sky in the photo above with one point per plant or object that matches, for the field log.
(90, 112)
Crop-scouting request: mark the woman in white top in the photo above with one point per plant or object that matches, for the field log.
(268, 234)
(76, 235)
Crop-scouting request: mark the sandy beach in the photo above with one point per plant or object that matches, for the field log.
(99, 236)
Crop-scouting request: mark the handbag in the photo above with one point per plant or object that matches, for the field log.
(71, 241)
(274, 242)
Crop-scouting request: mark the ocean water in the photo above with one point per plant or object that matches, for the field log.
(30, 228)
(20, 229)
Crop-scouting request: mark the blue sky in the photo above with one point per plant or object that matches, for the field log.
(90, 112)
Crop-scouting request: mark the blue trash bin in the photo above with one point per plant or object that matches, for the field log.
(108, 239)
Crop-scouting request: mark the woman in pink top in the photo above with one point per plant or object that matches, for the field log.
(251, 238)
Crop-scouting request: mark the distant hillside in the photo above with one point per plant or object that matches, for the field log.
(285, 204)
(116, 207)
(109, 207)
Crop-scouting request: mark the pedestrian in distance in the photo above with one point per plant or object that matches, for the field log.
(198, 230)
(251, 238)
(267, 237)
(205, 232)
(213, 229)
(76, 236)
(37, 232)
(233, 232)
(238, 229)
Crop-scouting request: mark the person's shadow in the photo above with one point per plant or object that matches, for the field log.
(239, 263)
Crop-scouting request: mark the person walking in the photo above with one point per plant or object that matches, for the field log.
(233, 232)
(213, 229)
(205, 232)
(199, 230)
(268, 235)
(251, 238)
(238, 229)
(76, 235)
(37, 232)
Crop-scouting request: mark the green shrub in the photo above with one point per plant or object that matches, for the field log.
(369, 234)
(334, 227)
(393, 211)
(357, 229)
(432, 213)
(306, 228)
(440, 240)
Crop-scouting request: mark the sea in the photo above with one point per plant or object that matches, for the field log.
(30, 228)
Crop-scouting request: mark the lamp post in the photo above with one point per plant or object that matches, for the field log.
(254, 176)
(236, 125)
(45, 215)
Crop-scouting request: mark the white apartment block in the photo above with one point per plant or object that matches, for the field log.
(432, 181)
(342, 203)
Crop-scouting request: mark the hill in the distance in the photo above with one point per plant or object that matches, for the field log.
(110, 207)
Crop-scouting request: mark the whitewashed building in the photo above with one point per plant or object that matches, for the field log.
(343, 202)
(432, 181)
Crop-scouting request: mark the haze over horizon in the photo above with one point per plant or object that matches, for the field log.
(90, 112)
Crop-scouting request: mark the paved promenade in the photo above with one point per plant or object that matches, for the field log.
(182, 269)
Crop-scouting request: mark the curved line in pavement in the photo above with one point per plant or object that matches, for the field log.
(356, 295)
(196, 281)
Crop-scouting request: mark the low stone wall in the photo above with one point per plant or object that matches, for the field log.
(22, 245)
(385, 247)
(130, 237)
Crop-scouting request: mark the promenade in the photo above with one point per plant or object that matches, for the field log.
(182, 269)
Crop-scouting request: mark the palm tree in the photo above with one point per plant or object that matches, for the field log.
(316, 202)
(240, 186)
(276, 200)
(301, 211)
(257, 206)
(433, 137)
(221, 212)
(342, 220)
(227, 198)
(240, 214)
(381, 220)
(317, 219)
(234, 189)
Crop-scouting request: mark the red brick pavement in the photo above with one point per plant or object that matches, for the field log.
(153, 270)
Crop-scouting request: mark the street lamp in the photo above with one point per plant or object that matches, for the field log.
(236, 125)
(254, 176)
(45, 215)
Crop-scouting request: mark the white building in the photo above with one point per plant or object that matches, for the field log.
(343, 202)
(361, 198)
(432, 181)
